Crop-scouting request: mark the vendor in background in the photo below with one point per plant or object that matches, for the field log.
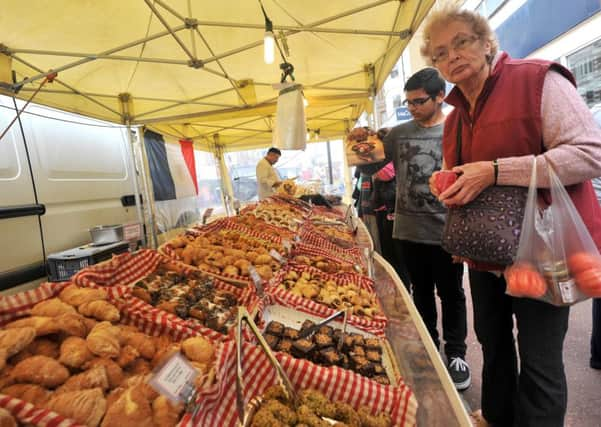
(267, 177)
(513, 111)
(415, 149)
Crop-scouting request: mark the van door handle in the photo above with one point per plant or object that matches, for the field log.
(130, 200)
(21, 210)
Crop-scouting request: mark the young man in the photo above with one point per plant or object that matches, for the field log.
(267, 177)
(415, 147)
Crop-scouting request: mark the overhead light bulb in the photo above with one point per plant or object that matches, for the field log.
(305, 102)
(268, 47)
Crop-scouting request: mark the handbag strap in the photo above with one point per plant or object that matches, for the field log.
(459, 141)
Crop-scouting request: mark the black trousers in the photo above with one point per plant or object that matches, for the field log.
(431, 267)
(391, 250)
(537, 396)
(596, 335)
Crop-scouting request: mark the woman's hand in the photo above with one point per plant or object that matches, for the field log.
(473, 179)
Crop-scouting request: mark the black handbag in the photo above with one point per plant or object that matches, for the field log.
(488, 228)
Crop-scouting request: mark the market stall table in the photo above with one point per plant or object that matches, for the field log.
(419, 362)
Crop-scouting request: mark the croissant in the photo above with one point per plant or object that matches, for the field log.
(141, 342)
(76, 296)
(132, 408)
(92, 378)
(52, 307)
(13, 341)
(128, 355)
(74, 352)
(90, 323)
(39, 347)
(100, 310)
(114, 372)
(40, 370)
(31, 393)
(84, 406)
(72, 324)
(43, 325)
(164, 413)
(44, 347)
(139, 367)
(198, 349)
(7, 419)
(104, 340)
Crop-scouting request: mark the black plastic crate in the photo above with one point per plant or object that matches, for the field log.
(63, 265)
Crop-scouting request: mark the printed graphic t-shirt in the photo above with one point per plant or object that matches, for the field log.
(416, 152)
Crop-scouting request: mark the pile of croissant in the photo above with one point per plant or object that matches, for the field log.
(228, 252)
(70, 356)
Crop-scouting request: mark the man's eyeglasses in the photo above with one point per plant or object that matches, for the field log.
(417, 101)
(460, 43)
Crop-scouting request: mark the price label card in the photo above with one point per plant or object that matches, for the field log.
(287, 245)
(296, 238)
(132, 231)
(207, 214)
(257, 280)
(175, 379)
(276, 255)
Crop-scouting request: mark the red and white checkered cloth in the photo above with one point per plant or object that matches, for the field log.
(309, 235)
(327, 212)
(123, 269)
(303, 248)
(218, 403)
(277, 295)
(15, 306)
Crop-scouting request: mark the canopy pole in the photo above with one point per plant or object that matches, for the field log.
(227, 195)
(141, 155)
(348, 179)
(125, 100)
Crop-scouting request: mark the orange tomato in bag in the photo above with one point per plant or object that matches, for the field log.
(581, 261)
(524, 280)
(586, 270)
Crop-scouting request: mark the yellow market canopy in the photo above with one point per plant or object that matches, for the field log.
(195, 69)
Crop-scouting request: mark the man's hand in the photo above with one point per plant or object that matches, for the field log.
(473, 179)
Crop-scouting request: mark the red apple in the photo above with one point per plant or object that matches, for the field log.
(444, 179)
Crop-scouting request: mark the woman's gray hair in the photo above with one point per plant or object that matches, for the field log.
(478, 23)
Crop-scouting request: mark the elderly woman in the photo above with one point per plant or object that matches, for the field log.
(510, 112)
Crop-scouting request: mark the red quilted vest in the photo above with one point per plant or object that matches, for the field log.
(507, 122)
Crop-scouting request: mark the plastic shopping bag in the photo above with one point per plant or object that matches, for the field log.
(557, 260)
(290, 131)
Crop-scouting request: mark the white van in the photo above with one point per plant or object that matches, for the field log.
(78, 176)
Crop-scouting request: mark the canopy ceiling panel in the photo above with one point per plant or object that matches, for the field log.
(194, 68)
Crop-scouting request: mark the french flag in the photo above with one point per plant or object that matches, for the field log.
(173, 174)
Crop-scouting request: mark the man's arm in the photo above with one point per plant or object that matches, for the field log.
(264, 176)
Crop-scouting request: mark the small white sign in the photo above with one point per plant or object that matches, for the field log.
(256, 278)
(276, 255)
(132, 231)
(175, 379)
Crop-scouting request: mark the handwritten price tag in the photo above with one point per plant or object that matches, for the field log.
(175, 379)
(276, 255)
(257, 280)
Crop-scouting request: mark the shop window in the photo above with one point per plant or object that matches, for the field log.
(397, 101)
(585, 64)
(310, 167)
(209, 180)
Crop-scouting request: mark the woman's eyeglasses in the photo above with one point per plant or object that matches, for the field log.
(460, 43)
(417, 101)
